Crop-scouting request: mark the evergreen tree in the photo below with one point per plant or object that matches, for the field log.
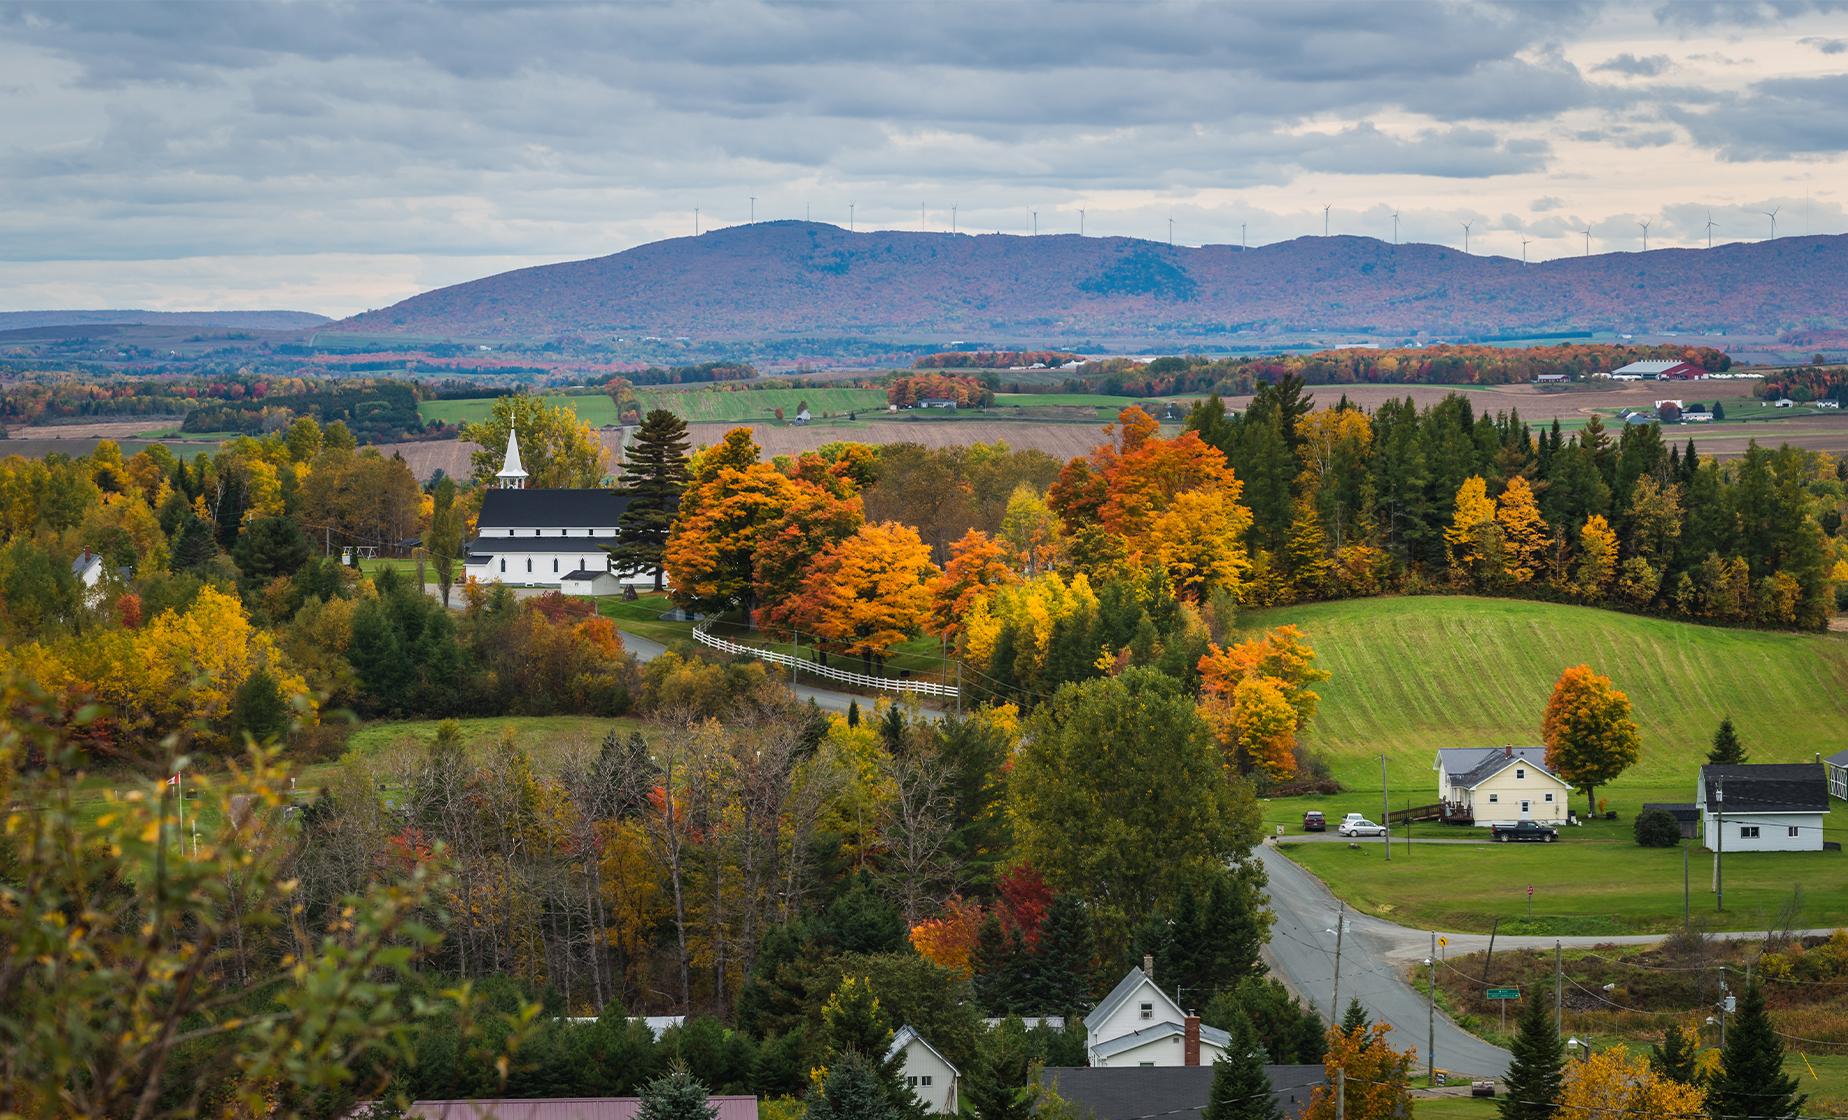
(193, 544)
(854, 1090)
(852, 1022)
(258, 709)
(675, 1095)
(1534, 1076)
(270, 547)
(1355, 1019)
(1066, 956)
(1751, 1080)
(653, 478)
(1674, 1058)
(997, 1085)
(853, 713)
(444, 540)
(995, 967)
(1241, 1089)
(1727, 749)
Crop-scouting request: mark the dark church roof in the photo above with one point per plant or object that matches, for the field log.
(491, 546)
(1761, 787)
(551, 509)
(1170, 1092)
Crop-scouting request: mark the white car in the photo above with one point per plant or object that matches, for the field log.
(1361, 826)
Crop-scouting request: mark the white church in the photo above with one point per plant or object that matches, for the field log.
(547, 538)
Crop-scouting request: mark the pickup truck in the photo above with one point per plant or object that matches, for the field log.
(1524, 830)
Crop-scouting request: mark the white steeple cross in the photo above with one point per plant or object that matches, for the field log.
(512, 475)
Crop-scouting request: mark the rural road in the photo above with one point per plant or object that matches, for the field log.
(1375, 953)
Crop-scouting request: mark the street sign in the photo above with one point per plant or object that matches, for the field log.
(1504, 993)
(1443, 940)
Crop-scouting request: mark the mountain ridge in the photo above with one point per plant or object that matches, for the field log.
(249, 320)
(792, 279)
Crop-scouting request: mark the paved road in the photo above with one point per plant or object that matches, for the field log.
(1334, 837)
(1375, 954)
(826, 698)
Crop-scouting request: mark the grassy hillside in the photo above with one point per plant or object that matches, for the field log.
(1418, 673)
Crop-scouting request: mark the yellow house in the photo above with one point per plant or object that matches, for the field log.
(1499, 785)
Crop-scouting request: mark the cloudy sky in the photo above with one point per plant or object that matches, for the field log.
(335, 157)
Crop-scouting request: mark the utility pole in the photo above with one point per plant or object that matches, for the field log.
(1687, 912)
(1340, 1093)
(1559, 989)
(1385, 810)
(1334, 998)
(1431, 1013)
(1719, 848)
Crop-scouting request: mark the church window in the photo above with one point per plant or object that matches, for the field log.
(529, 565)
(554, 565)
(503, 564)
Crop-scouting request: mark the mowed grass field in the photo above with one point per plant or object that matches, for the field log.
(692, 405)
(592, 408)
(1412, 674)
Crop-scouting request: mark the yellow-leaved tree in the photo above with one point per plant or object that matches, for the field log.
(1473, 539)
(1523, 531)
(1597, 558)
(1589, 735)
(978, 565)
(1612, 1083)
(1258, 697)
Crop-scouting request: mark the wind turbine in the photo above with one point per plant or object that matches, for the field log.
(1035, 214)
(1081, 221)
(753, 209)
(1170, 233)
(1645, 226)
(1524, 244)
(696, 221)
(850, 217)
(1588, 241)
(920, 217)
(1772, 214)
(1709, 229)
(1395, 227)
(1241, 235)
(1325, 221)
(952, 217)
(1466, 239)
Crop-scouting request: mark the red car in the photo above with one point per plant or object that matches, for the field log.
(1313, 821)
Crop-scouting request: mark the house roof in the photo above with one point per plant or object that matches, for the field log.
(1125, 987)
(1650, 365)
(1155, 1032)
(551, 509)
(1680, 810)
(1171, 1092)
(1767, 787)
(564, 1108)
(85, 561)
(1469, 767)
(1839, 758)
(905, 1036)
(584, 573)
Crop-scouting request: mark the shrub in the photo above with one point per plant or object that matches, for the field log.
(1657, 828)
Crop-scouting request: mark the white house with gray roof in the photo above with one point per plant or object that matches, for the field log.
(928, 1074)
(1487, 786)
(1763, 807)
(1138, 1025)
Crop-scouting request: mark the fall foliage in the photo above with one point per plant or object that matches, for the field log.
(1589, 735)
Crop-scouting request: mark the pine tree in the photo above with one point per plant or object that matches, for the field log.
(1727, 749)
(653, 478)
(1751, 1080)
(675, 1095)
(852, 1021)
(1674, 1058)
(853, 713)
(854, 1090)
(1306, 551)
(1356, 1018)
(1066, 957)
(995, 965)
(1535, 1074)
(1241, 1089)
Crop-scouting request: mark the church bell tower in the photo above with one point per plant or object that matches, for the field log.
(512, 475)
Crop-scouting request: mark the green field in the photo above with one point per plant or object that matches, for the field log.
(1412, 674)
(592, 408)
(730, 405)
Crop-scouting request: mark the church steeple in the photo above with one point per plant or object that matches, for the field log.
(512, 475)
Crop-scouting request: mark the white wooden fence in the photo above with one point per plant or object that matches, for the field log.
(827, 672)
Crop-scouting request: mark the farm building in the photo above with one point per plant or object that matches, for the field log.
(1173, 1093)
(1835, 767)
(1658, 369)
(1499, 785)
(1763, 807)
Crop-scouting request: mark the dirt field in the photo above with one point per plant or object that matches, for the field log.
(1536, 405)
(98, 429)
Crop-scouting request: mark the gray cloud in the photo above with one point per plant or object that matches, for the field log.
(1627, 63)
(1826, 46)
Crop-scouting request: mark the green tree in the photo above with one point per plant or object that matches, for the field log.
(1589, 735)
(854, 1090)
(1067, 958)
(1241, 1089)
(1355, 1018)
(997, 1084)
(1751, 1080)
(444, 540)
(557, 449)
(1535, 1075)
(852, 1022)
(676, 1095)
(258, 708)
(1118, 796)
(270, 547)
(1675, 1057)
(1291, 1032)
(1727, 749)
(653, 478)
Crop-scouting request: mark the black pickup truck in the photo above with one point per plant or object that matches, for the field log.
(1524, 830)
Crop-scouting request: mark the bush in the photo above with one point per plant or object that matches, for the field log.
(1657, 828)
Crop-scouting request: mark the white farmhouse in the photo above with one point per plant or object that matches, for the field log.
(547, 538)
(928, 1074)
(1487, 786)
(1138, 1025)
(1763, 807)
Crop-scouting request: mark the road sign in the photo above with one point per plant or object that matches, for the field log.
(1443, 940)
(1504, 993)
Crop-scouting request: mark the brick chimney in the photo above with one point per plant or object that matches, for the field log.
(1508, 751)
(1190, 1040)
(1148, 965)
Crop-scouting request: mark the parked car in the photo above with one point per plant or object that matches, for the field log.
(1523, 830)
(1482, 1088)
(1354, 817)
(1314, 821)
(1361, 826)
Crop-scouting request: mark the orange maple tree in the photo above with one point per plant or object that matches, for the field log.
(949, 940)
(1258, 697)
(978, 564)
(866, 593)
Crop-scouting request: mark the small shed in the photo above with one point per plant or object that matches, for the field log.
(1686, 814)
(1835, 767)
(587, 582)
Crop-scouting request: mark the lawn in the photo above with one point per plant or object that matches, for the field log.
(1412, 674)
(1595, 881)
(546, 738)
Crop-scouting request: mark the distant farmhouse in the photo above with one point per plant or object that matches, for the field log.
(553, 538)
(1487, 786)
(1138, 1025)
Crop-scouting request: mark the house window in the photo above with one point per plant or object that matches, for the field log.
(1748, 832)
(924, 1081)
(911, 1082)
(1526, 805)
(1145, 1063)
(1148, 1011)
(1549, 799)
(1494, 798)
(1792, 831)
(1520, 773)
